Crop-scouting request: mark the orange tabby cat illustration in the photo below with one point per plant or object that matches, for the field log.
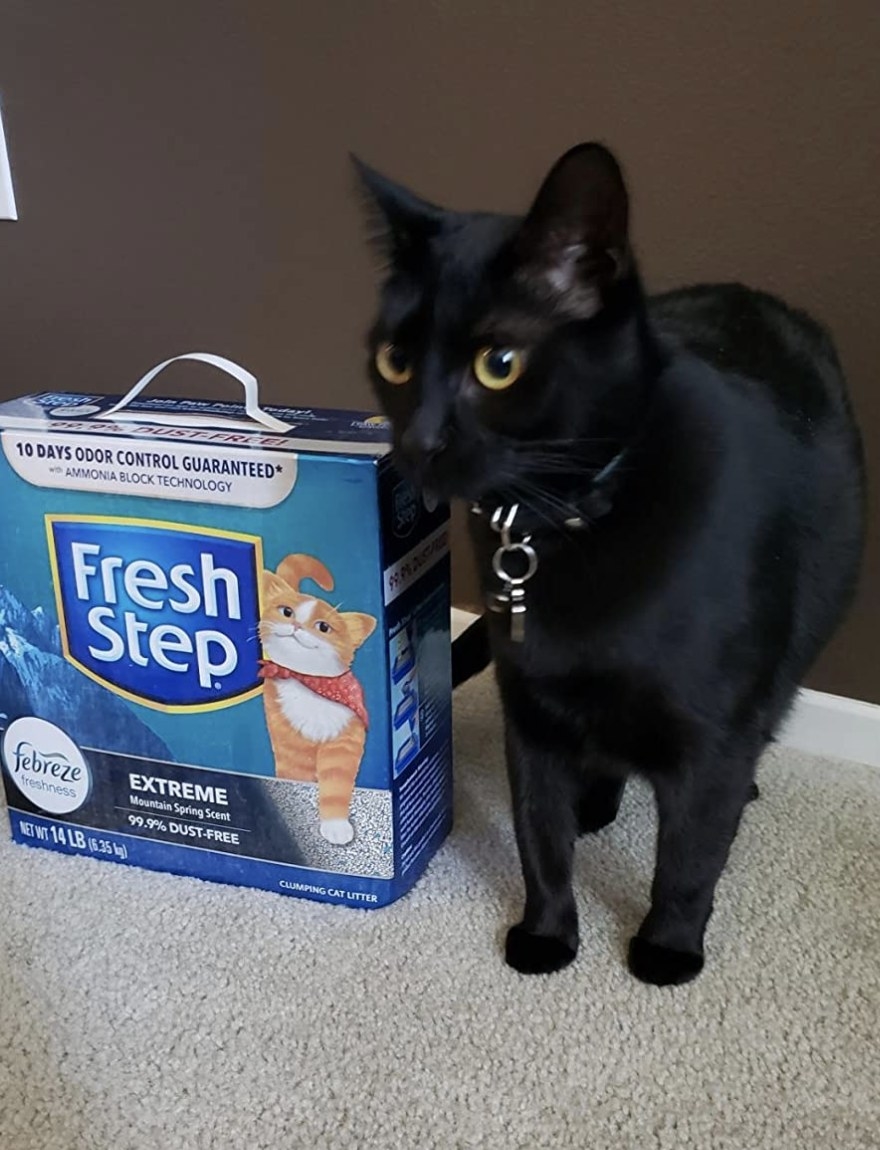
(315, 709)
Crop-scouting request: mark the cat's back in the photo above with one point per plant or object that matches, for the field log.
(756, 336)
(796, 477)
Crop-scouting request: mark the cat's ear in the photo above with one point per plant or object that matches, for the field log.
(574, 242)
(272, 585)
(360, 627)
(400, 222)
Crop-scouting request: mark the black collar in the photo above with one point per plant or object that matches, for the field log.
(575, 514)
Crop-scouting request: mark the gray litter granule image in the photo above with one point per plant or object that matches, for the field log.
(370, 853)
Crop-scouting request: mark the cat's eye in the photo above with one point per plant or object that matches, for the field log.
(393, 364)
(287, 612)
(498, 367)
(324, 627)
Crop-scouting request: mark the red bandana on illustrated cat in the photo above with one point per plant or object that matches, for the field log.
(343, 688)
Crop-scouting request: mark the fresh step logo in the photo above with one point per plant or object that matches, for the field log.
(161, 613)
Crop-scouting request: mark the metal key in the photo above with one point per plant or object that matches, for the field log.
(517, 615)
(512, 601)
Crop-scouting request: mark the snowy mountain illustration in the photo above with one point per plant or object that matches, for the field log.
(36, 680)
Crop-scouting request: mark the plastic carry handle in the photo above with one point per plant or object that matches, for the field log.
(247, 381)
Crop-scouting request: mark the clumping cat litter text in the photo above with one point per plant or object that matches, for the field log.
(224, 642)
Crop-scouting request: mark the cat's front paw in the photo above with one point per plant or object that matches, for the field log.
(536, 953)
(340, 832)
(661, 965)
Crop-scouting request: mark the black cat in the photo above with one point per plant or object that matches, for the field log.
(684, 476)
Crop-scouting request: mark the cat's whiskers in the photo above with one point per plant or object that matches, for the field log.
(561, 441)
(550, 461)
(522, 490)
(556, 469)
(551, 499)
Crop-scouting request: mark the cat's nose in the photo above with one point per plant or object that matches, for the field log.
(422, 443)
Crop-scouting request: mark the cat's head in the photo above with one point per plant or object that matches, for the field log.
(301, 631)
(505, 349)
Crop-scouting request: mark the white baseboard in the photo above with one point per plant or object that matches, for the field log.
(819, 723)
(831, 725)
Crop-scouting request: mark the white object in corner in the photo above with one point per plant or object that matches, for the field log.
(819, 723)
(835, 726)
(461, 620)
(8, 210)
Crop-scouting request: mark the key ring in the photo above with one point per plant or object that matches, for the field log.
(502, 524)
(524, 547)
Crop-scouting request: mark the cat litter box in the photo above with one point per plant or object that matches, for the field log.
(224, 642)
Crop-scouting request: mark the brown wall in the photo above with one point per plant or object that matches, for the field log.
(182, 179)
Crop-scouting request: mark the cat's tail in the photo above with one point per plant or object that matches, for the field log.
(295, 568)
(471, 652)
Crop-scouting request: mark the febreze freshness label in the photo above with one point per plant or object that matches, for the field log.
(161, 613)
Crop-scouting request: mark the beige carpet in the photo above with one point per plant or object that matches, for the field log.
(145, 1012)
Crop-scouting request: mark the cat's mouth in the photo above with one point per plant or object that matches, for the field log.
(441, 480)
(297, 634)
(470, 489)
(301, 638)
(452, 470)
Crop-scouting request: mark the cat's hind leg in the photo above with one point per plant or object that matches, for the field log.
(598, 803)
